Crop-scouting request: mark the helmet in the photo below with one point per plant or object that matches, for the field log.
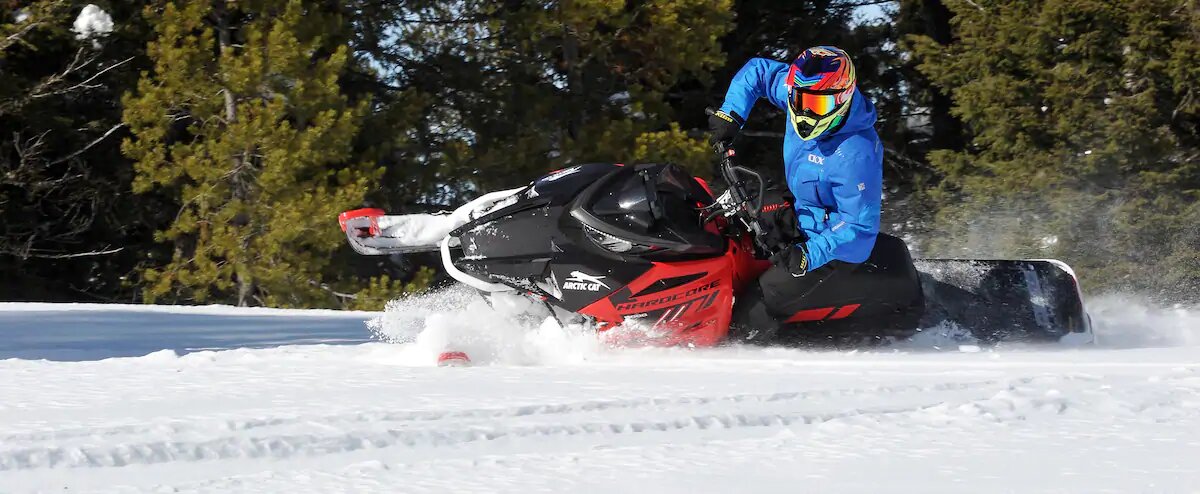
(820, 86)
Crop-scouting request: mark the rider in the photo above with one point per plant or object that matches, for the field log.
(833, 161)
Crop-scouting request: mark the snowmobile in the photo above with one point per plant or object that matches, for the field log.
(650, 247)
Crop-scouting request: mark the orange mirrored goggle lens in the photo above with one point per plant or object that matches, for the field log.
(819, 104)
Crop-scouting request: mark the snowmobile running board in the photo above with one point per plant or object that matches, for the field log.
(1035, 298)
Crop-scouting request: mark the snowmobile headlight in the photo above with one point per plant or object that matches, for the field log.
(615, 244)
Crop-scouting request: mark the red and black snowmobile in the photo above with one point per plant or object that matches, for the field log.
(649, 246)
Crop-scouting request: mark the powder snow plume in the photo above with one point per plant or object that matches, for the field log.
(512, 330)
(1123, 320)
(505, 329)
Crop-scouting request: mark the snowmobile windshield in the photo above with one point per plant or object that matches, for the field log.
(647, 208)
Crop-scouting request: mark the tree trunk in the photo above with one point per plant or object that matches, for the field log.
(947, 130)
(574, 71)
(239, 186)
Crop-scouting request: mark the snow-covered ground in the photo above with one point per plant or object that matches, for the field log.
(277, 408)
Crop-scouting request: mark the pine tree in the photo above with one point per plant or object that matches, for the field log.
(243, 121)
(611, 65)
(1082, 122)
(504, 91)
(68, 228)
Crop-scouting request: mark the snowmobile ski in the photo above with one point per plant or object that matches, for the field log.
(453, 359)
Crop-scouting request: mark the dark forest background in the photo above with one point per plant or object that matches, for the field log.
(199, 152)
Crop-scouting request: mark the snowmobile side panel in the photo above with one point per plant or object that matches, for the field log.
(484, 285)
(685, 303)
(534, 251)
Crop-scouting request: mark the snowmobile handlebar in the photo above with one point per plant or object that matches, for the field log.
(730, 172)
(741, 205)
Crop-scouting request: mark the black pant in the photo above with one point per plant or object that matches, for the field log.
(777, 296)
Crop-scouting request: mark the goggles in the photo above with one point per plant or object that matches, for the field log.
(818, 103)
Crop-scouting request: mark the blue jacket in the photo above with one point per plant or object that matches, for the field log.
(837, 179)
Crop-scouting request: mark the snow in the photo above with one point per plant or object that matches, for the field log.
(418, 229)
(92, 22)
(20, 15)
(276, 408)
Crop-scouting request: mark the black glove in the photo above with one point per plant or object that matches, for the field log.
(778, 219)
(724, 126)
(794, 259)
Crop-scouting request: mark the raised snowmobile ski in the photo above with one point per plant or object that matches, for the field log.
(649, 255)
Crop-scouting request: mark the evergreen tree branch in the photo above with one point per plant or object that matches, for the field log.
(87, 84)
(855, 5)
(19, 35)
(94, 253)
(89, 145)
(77, 63)
(973, 4)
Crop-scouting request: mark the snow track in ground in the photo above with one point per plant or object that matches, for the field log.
(378, 417)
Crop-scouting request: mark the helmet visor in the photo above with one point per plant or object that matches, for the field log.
(818, 104)
(815, 104)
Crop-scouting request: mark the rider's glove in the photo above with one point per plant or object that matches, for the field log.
(778, 219)
(724, 126)
(793, 259)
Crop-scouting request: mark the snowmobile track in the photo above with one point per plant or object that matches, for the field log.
(411, 429)
(333, 434)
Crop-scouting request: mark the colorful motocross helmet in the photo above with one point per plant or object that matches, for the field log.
(820, 86)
